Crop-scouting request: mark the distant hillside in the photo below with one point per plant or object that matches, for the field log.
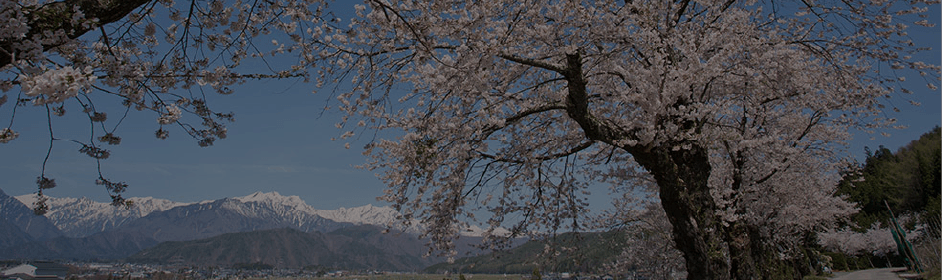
(99, 246)
(357, 247)
(99, 231)
(22, 216)
(591, 252)
(11, 235)
(909, 181)
(81, 217)
(221, 216)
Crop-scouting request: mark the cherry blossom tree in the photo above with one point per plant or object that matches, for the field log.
(876, 241)
(737, 110)
(510, 110)
(649, 251)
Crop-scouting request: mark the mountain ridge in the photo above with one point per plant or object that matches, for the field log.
(291, 248)
(96, 230)
(82, 217)
(23, 218)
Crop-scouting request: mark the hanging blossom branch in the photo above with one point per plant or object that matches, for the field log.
(149, 63)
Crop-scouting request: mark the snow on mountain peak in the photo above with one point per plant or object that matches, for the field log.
(147, 205)
(79, 217)
(276, 199)
(366, 214)
(269, 197)
(27, 199)
(259, 196)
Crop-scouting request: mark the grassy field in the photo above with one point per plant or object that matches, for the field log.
(415, 277)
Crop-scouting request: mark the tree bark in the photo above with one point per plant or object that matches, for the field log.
(682, 176)
(57, 16)
(741, 247)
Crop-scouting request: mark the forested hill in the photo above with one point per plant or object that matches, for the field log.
(587, 252)
(908, 180)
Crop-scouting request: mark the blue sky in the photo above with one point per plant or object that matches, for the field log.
(281, 141)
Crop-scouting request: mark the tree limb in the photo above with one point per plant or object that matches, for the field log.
(57, 16)
(532, 62)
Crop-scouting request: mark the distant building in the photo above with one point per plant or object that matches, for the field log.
(36, 270)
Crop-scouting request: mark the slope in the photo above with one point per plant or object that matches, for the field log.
(20, 215)
(357, 247)
(81, 217)
(575, 252)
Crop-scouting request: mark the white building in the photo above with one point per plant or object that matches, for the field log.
(36, 270)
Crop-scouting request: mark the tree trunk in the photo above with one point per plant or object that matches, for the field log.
(682, 177)
(741, 244)
(750, 258)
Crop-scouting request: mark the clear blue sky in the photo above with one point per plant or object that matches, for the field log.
(279, 142)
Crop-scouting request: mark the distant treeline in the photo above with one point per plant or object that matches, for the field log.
(586, 252)
(907, 180)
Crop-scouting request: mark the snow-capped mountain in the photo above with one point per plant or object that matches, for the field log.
(227, 215)
(362, 215)
(96, 230)
(382, 216)
(22, 216)
(81, 217)
(163, 219)
(367, 214)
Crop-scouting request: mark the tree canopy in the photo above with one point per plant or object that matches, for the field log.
(907, 181)
(736, 110)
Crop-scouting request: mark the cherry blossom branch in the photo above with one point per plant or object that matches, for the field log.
(572, 151)
(54, 16)
(533, 62)
(487, 131)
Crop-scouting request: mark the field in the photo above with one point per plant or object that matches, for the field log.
(413, 277)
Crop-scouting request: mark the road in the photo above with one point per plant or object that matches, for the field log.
(871, 274)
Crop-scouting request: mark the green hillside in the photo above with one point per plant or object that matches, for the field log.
(907, 180)
(577, 252)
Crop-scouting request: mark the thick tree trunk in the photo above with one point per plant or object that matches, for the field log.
(682, 177)
(741, 248)
(750, 258)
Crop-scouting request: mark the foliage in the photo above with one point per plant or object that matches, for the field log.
(928, 243)
(648, 251)
(570, 252)
(875, 241)
(504, 112)
(907, 180)
(525, 105)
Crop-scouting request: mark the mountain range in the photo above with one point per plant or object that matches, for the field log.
(82, 229)
(356, 247)
(26, 224)
(82, 217)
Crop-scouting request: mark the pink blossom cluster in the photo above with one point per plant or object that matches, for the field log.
(57, 85)
(876, 241)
